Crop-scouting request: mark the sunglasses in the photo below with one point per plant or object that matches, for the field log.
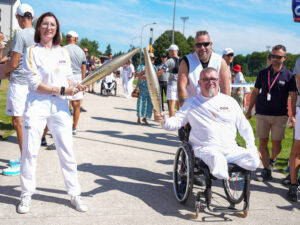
(199, 45)
(230, 55)
(276, 56)
(210, 79)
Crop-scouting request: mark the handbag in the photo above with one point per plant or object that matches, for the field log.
(136, 91)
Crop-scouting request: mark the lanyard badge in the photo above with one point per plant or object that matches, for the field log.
(270, 86)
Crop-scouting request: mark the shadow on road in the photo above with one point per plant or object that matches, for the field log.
(130, 110)
(10, 195)
(154, 189)
(161, 139)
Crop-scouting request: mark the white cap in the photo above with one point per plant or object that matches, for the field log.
(173, 47)
(24, 8)
(73, 34)
(227, 51)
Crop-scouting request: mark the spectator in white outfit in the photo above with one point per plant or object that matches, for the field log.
(214, 118)
(127, 72)
(18, 85)
(48, 69)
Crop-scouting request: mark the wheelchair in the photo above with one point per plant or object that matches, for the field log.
(111, 87)
(187, 168)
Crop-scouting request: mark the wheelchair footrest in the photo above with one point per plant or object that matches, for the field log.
(225, 210)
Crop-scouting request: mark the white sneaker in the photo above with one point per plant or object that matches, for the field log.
(14, 161)
(78, 203)
(24, 205)
(12, 171)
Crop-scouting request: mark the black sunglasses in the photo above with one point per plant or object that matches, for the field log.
(231, 54)
(276, 56)
(199, 45)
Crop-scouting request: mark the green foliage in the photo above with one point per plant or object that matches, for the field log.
(135, 58)
(64, 39)
(256, 61)
(92, 46)
(191, 42)
(108, 50)
(165, 40)
(6, 127)
(290, 61)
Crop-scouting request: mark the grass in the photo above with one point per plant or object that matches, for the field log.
(283, 157)
(6, 127)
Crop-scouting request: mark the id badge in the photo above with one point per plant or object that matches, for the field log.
(268, 97)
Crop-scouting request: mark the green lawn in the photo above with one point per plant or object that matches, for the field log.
(283, 157)
(6, 127)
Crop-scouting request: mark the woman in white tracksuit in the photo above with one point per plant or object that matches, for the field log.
(127, 78)
(48, 67)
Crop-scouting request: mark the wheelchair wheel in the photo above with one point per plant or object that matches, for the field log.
(234, 187)
(183, 174)
(101, 89)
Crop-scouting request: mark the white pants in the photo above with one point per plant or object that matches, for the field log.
(53, 111)
(127, 86)
(217, 158)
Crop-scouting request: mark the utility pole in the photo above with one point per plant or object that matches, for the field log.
(173, 22)
(184, 18)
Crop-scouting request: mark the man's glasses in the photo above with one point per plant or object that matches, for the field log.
(230, 55)
(210, 79)
(46, 25)
(276, 56)
(199, 45)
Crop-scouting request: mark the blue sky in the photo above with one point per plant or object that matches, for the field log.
(243, 25)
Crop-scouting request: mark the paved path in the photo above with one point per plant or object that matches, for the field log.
(125, 171)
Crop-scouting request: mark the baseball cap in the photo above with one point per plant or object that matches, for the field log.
(72, 34)
(173, 47)
(164, 55)
(24, 8)
(227, 51)
(237, 68)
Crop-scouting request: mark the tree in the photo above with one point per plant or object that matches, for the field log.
(191, 42)
(92, 46)
(108, 50)
(290, 61)
(165, 40)
(241, 60)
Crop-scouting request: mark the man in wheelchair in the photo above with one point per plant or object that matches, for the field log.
(108, 83)
(214, 119)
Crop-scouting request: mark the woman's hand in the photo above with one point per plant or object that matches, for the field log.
(74, 90)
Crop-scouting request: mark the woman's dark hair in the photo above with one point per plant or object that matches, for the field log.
(37, 34)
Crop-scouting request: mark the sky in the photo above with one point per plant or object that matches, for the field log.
(243, 25)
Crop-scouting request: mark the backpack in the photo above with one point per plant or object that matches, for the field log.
(176, 68)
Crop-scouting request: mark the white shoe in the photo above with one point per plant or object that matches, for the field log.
(12, 171)
(78, 203)
(24, 205)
